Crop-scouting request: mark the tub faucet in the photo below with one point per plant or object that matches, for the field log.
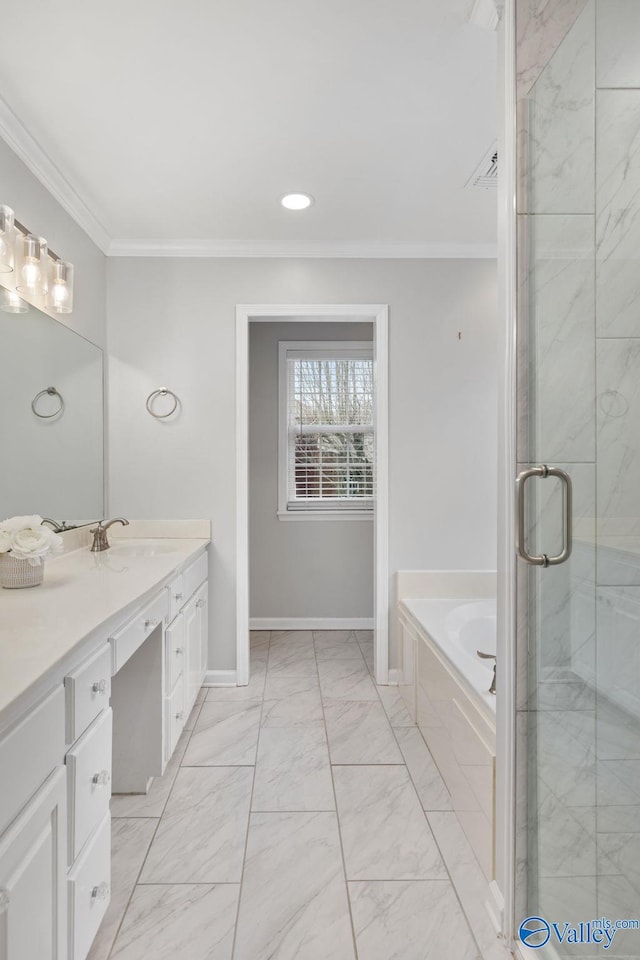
(490, 656)
(100, 541)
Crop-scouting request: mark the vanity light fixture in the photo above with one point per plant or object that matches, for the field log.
(297, 201)
(10, 302)
(41, 276)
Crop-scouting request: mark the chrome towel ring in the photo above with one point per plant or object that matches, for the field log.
(51, 392)
(162, 392)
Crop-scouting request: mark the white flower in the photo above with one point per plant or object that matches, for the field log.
(5, 540)
(34, 543)
(21, 523)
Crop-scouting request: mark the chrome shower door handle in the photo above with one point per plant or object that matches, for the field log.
(544, 560)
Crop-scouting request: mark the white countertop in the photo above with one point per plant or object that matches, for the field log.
(82, 591)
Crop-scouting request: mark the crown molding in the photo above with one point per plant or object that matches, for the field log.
(16, 135)
(364, 251)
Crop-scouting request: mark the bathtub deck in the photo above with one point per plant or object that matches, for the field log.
(301, 816)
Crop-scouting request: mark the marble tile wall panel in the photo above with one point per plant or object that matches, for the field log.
(618, 213)
(618, 469)
(556, 127)
(618, 899)
(566, 844)
(541, 26)
(556, 329)
(296, 858)
(618, 673)
(570, 899)
(618, 35)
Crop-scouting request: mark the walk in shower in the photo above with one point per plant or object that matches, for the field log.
(578, 253)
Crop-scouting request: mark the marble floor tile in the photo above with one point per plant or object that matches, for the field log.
(395, 707)
(422, 768)
(469, 881)
(345, 680)
(258, 637)
(226, 734)
(151, 804)
(330, 649)
(292, 769)
(338, 636)
(292, 636)
(294, 900)
(289, 658)
(409, 920)
(169, 922)
(364, 636)
(384, 831)
(359, 732)
(201, 695)
(190, 722)
(291, 701)
(130, 840)
(201, 836)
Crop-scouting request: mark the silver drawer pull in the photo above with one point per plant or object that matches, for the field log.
(100, 686)
(179, 651)
(152, 622)
(180, 715)
(5, 900)
(201, 603)
(101, 779)
(100, 892)
(543, 560)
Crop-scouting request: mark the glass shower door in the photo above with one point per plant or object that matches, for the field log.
(578, 697)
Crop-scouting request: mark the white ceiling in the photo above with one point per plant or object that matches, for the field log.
(188, 120)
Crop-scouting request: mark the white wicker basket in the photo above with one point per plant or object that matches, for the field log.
(15, 574)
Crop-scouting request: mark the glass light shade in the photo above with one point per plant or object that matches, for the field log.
(7, 238)
(10, 302)
(31, 266)
(59, 296)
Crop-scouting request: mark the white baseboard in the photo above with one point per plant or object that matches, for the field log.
(311, 623)
(220, 678)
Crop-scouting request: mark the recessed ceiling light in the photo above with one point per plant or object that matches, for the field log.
(297, 201)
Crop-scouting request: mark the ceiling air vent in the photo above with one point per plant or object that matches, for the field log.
(485, 176)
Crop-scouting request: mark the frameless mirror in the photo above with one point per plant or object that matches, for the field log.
(51, 420)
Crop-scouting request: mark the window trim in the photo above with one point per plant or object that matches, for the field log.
(302, 350)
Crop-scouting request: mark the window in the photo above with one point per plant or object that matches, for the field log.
(326, 429)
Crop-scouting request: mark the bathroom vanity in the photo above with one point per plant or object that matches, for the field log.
(99, 669)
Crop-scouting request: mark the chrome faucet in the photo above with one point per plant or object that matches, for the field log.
(490, 656)
(55, 526)
(100, 541)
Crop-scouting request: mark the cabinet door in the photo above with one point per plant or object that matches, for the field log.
(194, 658)
(33, 888)
(202, 605)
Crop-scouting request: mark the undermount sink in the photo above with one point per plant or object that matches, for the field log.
(142, 548)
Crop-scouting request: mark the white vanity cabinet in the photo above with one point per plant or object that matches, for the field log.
(107, 711)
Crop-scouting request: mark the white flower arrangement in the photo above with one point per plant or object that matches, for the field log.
(26, 539)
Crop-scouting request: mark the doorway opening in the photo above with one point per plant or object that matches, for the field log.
(342, 472)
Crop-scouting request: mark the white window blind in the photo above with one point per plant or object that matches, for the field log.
(329, 427)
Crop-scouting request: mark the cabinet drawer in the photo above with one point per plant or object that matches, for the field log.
(89, 780)
(89, 891)
(195, 574)
(176, 597)
(126, 641)
(174, 717)
(29, 753)
(88, 689)
(174, 639)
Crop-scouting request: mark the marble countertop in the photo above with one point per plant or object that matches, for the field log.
(82, 591)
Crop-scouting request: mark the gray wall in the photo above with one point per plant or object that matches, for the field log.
(43, 215)
(298, 568)
(172, 322)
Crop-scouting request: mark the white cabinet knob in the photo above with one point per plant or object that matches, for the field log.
(177, 596)
(100, 892)
(5, 899)
(179, 651)
(201, 603)
(153, 622)
(100, 686)
(180, 715)
(101, 779)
